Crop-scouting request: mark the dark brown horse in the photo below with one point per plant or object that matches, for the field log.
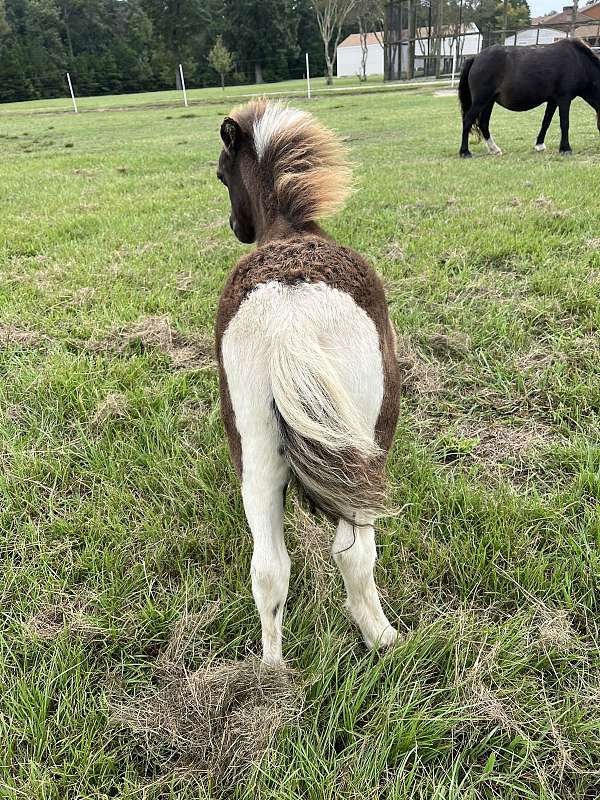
(522, 78)
(308, 372)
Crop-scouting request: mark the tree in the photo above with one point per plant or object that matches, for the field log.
(331, 16)
(368, 15)
(264, 36)
(220, 59)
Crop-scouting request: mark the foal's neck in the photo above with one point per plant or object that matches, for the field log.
(282, 228)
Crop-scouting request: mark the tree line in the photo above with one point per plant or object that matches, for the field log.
(119, 46)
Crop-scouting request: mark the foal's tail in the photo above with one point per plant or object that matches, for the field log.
(464, 92)
(330, 450)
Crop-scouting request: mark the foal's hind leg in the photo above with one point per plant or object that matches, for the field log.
(354, 553)
(548, 115)
(484, 127)
(264, 476)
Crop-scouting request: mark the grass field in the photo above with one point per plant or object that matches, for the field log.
(125, 555)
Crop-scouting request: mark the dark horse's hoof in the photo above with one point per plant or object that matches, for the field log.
(566, 152)
(466, 154)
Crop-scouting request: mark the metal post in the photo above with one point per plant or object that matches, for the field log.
(72, 92)
(307, 77)
(185, 102)
(453, 67)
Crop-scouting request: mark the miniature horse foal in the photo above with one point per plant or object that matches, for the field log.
(307, 363)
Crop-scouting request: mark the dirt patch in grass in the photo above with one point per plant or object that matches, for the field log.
(184, 351)
(66, 615)
(418, 375)
(13, 336)
(217, 721)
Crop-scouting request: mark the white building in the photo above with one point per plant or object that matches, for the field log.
(349, 55)
(468, 42)
(535, 36)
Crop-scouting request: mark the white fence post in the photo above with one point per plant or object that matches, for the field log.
(72, 92)
(185, 102)
(307, 77)
(453, 67)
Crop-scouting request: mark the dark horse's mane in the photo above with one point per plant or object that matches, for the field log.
(587, 50)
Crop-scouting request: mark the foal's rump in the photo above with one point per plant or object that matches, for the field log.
(316, 367)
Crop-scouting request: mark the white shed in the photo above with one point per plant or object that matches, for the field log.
(349, 55)
(535, 36)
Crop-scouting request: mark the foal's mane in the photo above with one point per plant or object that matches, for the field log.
(303, 162)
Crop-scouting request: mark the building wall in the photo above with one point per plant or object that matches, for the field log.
(530, 36)
(348, 60)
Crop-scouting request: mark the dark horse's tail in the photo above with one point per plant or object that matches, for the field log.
(464, 92)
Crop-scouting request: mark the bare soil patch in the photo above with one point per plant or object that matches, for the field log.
(184, 351)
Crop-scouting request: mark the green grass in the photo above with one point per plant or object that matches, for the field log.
(120, 511)
(289, 88)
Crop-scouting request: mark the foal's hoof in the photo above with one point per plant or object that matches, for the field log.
(540, 147)
(467, 154)
(384, 640)
(566, 152)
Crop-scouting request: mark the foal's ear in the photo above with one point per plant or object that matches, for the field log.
(231, 134)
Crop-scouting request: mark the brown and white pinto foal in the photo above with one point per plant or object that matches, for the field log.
(308, 372)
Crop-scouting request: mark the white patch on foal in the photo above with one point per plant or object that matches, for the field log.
(493, 147)
(299, 321)
(540, 147)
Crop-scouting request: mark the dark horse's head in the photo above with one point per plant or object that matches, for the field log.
(592, 62)
(232, 166)
(282, 169)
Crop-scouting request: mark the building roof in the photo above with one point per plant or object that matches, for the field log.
(565, 17)
(592, 11)
(354, 39)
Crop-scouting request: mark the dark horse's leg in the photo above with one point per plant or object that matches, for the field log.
(550, 110)
(468, 120)
(564, 107)
(484, 127)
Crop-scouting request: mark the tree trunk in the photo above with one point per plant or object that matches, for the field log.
(258, 74)
(223, 81)
(329, 71)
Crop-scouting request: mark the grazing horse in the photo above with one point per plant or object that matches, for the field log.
(521, 78)
(308, 373)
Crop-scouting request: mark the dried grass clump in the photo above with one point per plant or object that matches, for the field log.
(418, 377)
(187, 640)
(217, 721)
(554, 630)
(69, 615)
(114, 406)
(495, 442)
(184, 351)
